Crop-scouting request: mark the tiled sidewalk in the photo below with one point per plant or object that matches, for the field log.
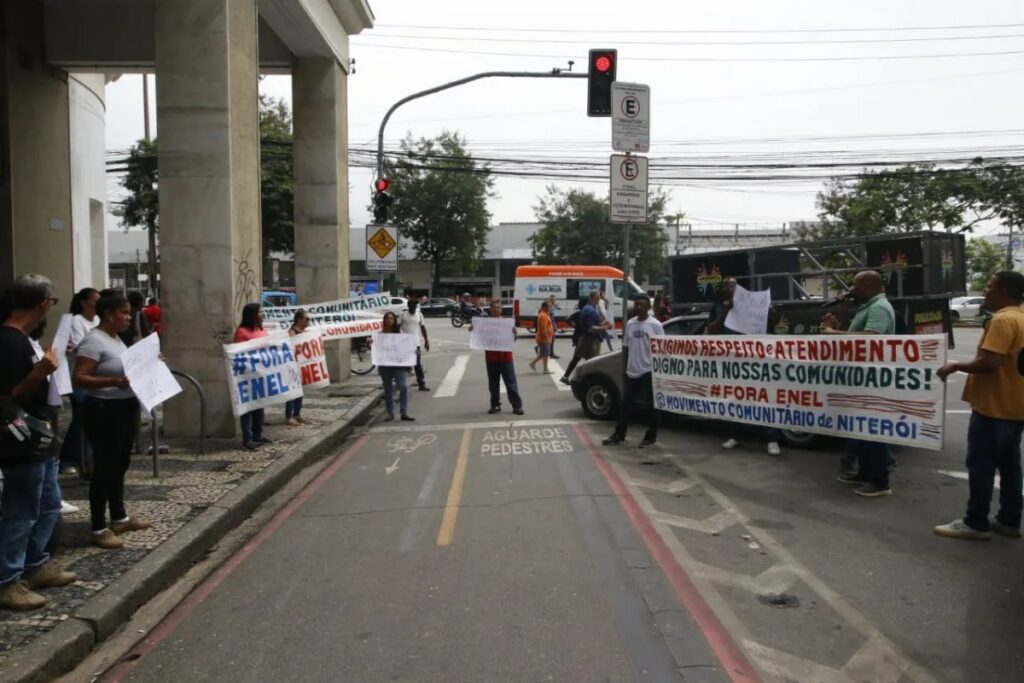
(188, 484)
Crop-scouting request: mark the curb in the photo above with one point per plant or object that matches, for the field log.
(59, 650)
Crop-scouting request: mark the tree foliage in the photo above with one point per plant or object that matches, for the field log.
(440, 202)
(142, 205)
(577, 230)
(984, 260)
(277, 199)
(921, 197)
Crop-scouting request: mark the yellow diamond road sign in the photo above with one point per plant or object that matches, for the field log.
(382, 243)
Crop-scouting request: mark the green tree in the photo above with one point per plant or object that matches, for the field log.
(984, 260)
(141, 208)
(440, 202)
(577, 230)
(277, 199)
(920, 197)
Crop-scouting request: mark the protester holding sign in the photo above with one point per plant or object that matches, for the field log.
(411, 322)
(995, 390)
(30, 502)
(636, 344)
(110, 413)
(501, 365)
(293, 408)
(875, 316)
(720, 314)
(251, 328)
(394, 374)
(84, 319)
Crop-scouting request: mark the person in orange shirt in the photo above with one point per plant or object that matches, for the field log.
(995, 391)
(545, 337)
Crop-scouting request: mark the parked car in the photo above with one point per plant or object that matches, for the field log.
(964, 308)
(398, 304)
(597, 383)
(438, 307)
(274, 297)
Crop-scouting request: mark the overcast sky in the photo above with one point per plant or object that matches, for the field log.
(720, 94)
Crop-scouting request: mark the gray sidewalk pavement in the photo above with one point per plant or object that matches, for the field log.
(192, 504)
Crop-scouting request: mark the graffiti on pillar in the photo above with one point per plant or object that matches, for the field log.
(223, 333)
(246, 286)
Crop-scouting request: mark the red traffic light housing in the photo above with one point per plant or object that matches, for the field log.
(382, 184)
(600, 76)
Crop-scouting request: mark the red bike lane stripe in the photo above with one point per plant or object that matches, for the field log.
(725, 649)
(171, 622)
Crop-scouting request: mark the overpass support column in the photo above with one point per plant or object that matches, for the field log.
(320, 148)
(208, 140)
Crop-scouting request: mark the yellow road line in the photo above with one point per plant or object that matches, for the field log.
(451, 508)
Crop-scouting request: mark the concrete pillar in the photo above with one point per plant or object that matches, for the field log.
(320, 148)
(35, 163)
(208, 133)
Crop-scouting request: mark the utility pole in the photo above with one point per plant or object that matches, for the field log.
(151, 266)
(1009, 246)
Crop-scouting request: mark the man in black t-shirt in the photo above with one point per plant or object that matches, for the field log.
(30, 503)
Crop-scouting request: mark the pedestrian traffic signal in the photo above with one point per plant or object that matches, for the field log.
(600, 76)
(381, 201)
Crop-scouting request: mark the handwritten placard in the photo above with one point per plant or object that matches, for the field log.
(394, 350)
(492, 334)
(148, 375)
(749, 312)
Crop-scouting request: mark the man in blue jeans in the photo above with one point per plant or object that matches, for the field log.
(875, 316)
(995, 390)
(30, 504)
(501, 368)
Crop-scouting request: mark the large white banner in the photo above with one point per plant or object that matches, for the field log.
(309, 354)
(492, 334)
(875, 388)
(392, 349)
(262, 372)
(357, 316)
(148, 376)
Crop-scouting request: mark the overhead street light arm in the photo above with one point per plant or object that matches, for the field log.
(554, 73)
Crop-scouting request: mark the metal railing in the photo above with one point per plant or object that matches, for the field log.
(155, 423)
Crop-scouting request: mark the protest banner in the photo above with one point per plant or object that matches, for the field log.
(492, 334)
(148, 376)
(262, 372)
(749, 312)
(872, 388)
(390, 349)
(309, 354)
(356, 316)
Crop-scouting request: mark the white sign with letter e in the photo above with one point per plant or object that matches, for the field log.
(631, 117)
(628, 198)
(381, 248)
(492, 334)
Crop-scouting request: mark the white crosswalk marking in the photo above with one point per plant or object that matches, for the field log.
(557, 373)
(450, 384)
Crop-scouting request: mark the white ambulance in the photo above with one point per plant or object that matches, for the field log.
(535, 284)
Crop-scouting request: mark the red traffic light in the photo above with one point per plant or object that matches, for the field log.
(603, 63)
(382, 184)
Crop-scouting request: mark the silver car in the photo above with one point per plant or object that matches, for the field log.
(964, 308)
(597, 383)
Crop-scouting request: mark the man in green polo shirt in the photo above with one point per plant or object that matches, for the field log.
(875, 316)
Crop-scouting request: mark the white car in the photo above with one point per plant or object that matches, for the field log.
(964, 308)
(398, 304)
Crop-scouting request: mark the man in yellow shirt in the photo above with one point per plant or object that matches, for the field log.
(995, 390)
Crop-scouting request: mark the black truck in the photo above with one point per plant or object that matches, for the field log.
(922, 271)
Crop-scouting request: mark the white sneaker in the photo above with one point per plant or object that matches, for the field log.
(67, 508)
(773, 448)
(730, 444)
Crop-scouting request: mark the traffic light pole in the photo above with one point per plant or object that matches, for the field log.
(554, 73)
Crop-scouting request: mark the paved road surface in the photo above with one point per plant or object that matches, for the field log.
(468, 548)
